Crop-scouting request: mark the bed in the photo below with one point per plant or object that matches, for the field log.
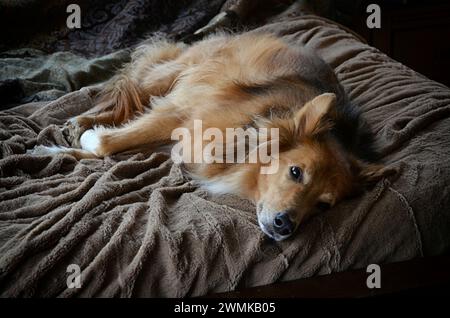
(136, 226)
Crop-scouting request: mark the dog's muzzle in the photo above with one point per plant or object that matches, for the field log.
(278, 226)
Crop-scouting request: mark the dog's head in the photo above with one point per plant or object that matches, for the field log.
(314, 171)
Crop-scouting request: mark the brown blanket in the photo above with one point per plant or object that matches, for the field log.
(137, 227)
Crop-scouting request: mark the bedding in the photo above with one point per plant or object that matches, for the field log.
(137, 226)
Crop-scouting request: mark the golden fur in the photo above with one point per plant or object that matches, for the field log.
(229, 82)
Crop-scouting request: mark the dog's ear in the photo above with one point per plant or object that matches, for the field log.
(368, 174)
(316, 116)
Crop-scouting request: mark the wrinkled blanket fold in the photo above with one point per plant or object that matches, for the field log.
(137, 226)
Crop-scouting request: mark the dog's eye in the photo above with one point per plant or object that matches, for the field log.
(323, 206)
(296, 173)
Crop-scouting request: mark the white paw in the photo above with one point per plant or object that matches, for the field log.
(90, 140)
(46, 150)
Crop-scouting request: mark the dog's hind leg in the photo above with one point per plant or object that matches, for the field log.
(148, 131)
(151, 72)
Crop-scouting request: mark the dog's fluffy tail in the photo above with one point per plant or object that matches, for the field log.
(127, 94)
(122, 97)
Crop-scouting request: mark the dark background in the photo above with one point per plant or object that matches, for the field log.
(416, 33)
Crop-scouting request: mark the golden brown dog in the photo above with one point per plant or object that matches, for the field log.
(249, 80)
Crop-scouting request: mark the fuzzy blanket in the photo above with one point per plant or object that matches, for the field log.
(136, 226)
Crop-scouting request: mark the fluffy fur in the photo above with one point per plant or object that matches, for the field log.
(249, 80)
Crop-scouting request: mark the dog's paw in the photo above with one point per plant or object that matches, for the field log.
(90, 141)
(72, 131)
(41, 150)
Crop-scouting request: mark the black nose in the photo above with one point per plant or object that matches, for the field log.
(282, 224)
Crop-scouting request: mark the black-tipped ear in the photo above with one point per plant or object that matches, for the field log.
(316, 115)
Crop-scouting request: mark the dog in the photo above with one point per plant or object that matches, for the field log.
(257, 80)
